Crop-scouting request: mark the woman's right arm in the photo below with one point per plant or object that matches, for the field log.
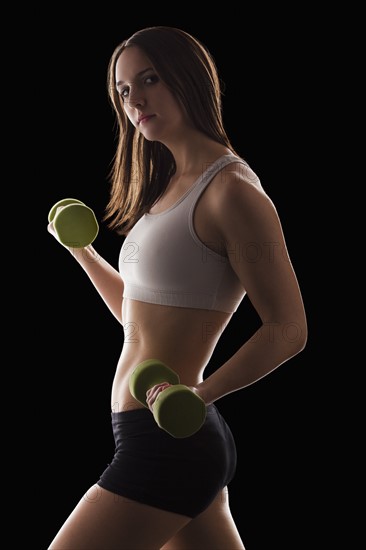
(105, 278)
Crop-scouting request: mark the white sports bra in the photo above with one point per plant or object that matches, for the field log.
(162, 260)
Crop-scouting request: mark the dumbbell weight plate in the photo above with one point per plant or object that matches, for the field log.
(76, 225)
(180, 412)
(62, 202)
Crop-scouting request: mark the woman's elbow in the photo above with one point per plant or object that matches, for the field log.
(296, 334)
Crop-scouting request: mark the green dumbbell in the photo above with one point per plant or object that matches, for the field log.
(177, 409)
(75, 223)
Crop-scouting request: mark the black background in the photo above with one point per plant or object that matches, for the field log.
(272, 72)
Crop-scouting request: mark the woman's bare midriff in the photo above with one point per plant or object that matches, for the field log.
(183, 338)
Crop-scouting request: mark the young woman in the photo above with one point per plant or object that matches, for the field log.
(200, 233)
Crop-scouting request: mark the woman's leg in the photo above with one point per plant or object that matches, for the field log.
(213, 529)
(105, 521)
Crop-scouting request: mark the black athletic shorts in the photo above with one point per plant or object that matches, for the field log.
(180, 475)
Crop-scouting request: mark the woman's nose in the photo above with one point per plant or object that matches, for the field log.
(136, 98)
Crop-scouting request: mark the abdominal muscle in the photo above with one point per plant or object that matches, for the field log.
(182, 338)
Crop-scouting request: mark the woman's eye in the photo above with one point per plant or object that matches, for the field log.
(151, 79)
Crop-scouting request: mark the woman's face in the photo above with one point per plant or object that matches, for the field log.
(148, 103)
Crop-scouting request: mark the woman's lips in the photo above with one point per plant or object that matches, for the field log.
(145, 118)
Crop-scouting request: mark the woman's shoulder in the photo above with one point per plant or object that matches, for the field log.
(238, 189)
(237, 176)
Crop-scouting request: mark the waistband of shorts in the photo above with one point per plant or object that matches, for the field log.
(134, 415)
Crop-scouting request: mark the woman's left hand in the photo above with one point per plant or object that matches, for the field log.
(153, 393)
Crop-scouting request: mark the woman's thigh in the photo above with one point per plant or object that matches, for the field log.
(102, 520)
(213, 529)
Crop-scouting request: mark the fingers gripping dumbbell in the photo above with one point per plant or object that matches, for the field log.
(75, 223)
(177, 409)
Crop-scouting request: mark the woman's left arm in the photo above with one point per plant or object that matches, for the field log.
(251, 230)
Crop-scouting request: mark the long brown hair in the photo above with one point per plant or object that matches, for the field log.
(141, 169)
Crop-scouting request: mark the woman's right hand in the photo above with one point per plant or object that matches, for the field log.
(52, 230)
